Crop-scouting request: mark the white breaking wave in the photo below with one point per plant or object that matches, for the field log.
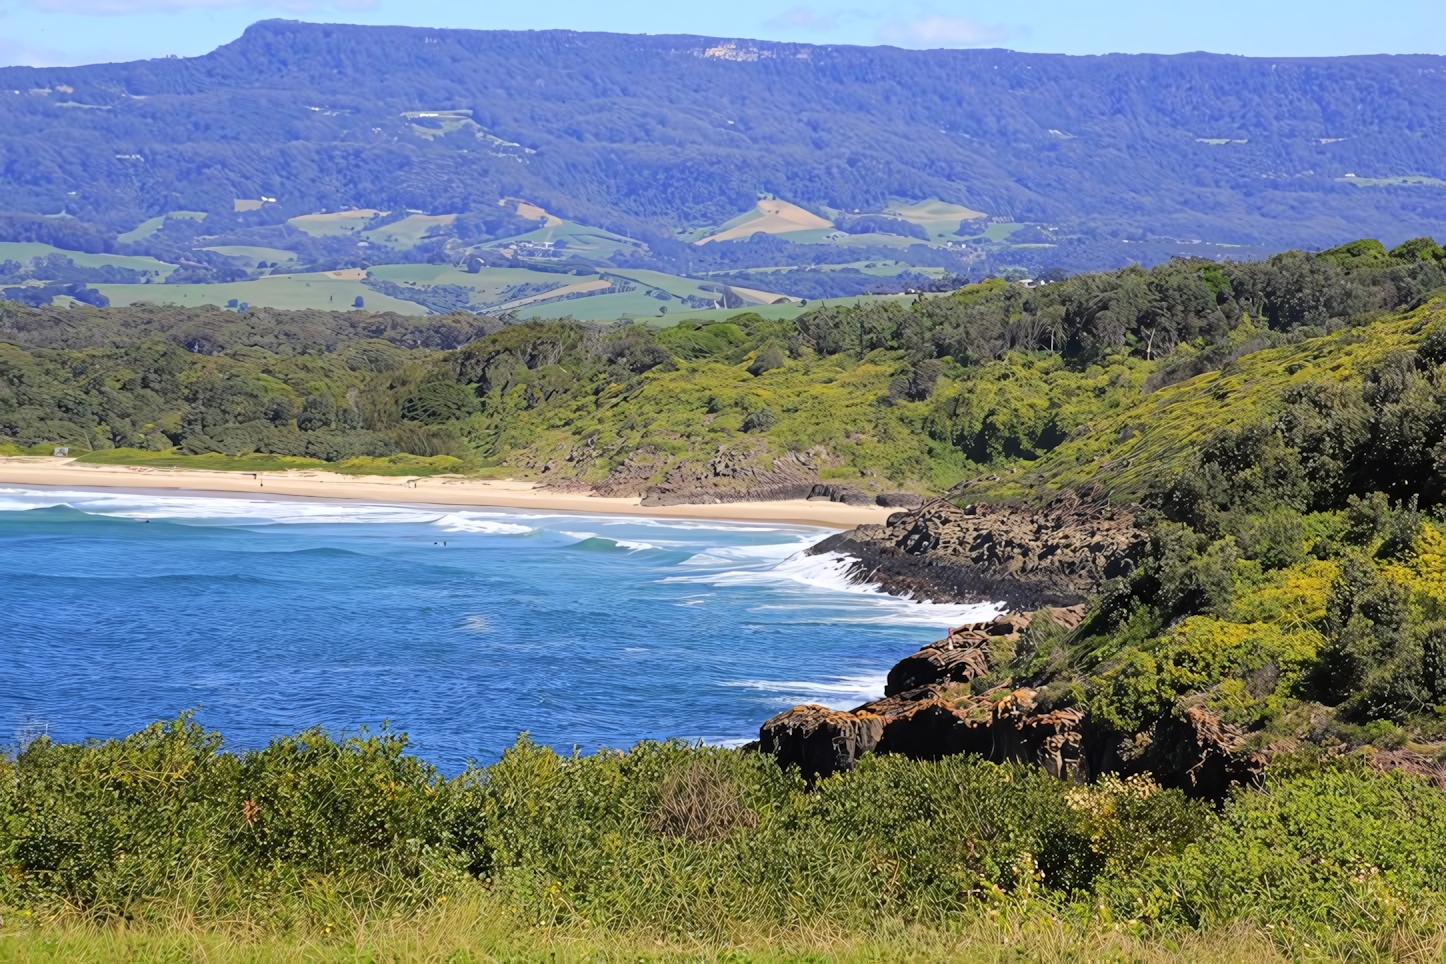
(242, 511)
(839, 694)
(467, 522)
(634, 546)
(830, 571)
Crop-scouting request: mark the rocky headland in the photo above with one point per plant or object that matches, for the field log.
(1041, 564)
(1019, 556)
(933, 707)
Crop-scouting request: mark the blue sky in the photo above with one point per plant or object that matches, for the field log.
(55, 32)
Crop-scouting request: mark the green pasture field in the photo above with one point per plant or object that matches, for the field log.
(335, 224)
(487, 284)
(832, 236)
(752, 214)
(809, 235)
(150, 226)
(442, 274)
(671, 283)
(581, 239)
(633, 304)
(445, 121)
(409, 231)
(1000, 232)
(877, 269)
(296, 291)
(23, 251)
(274, 291)
(253, 253)
(939, 218)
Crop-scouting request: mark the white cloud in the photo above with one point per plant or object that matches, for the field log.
(811, 21)
(803, 18)
(121, 8)
(18, 53)
(940, 31)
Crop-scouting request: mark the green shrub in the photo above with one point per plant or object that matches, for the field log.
(1340, 856)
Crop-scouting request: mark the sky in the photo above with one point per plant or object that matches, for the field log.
(67, 32)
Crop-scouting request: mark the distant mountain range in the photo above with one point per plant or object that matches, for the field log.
(665, 140)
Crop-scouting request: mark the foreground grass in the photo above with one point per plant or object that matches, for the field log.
(476, 928)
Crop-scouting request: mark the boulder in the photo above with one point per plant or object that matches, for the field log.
(848, 495)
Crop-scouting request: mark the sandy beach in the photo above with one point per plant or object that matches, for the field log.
(511, 494)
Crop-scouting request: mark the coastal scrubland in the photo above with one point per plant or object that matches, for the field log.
(163, 844)
(1278, 427)
(885, 395)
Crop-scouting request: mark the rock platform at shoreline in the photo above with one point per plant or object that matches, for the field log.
(1021, 557)
(931, 710)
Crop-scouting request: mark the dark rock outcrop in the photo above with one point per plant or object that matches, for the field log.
(847, 494)
(899, 500)
(735, 476)
(930, 711)
(1019, 556)
(964, 653)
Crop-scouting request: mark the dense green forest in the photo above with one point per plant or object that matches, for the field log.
(1279, 425)
(915, 395)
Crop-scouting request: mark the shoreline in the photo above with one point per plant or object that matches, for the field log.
(52, 472)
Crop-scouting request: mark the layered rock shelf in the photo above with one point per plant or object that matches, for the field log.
(931, 710)
(1021, 557)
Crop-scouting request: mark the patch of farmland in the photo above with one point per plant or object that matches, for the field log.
(940, 219)
(530, 211)
(579, 240)
(334, 224)
(254, 253)
(565, 293)
(409, 231)
(23, 251)
(770, 216)
(150, 226)
(660, 281)
(295, 291)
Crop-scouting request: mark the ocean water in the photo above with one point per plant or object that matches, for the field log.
(461, 627)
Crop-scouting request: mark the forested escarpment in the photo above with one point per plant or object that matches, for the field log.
(646, 135)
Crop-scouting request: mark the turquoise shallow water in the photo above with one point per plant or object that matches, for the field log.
(461, 627)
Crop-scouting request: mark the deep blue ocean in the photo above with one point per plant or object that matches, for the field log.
(461, 627)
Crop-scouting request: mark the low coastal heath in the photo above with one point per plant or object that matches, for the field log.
(462, 627)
